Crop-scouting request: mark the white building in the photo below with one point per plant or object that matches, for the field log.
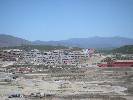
(55, 57)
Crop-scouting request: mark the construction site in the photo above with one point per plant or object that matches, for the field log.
(69, 83)
(99, 77)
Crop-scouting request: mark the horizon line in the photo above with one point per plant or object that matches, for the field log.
(68, 38)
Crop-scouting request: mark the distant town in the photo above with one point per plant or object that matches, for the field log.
(68, 72)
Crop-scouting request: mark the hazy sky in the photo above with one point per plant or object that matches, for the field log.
(63, 19)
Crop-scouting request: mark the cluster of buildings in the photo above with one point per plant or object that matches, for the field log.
(62, 57)
(10, 54)
(53, 57)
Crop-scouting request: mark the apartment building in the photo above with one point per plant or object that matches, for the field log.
(10, 55)
(53, 57)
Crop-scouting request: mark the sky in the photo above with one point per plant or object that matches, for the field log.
(63, 19)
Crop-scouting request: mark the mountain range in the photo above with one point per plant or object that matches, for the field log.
(90, 42)
(8, 40)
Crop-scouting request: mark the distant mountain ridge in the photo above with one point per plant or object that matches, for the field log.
(8, 40)
(91, 42)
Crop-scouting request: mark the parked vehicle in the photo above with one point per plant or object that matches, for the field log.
(15, 96)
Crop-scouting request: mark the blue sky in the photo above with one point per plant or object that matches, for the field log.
(64, 19)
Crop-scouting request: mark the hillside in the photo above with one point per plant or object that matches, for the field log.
(92, 42)
(39, 47)
(8, 40)
(128, 49)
